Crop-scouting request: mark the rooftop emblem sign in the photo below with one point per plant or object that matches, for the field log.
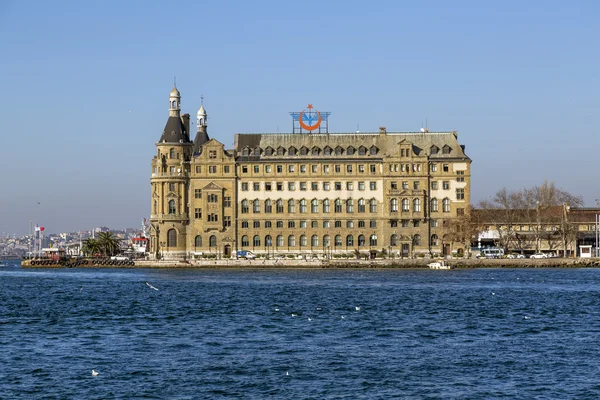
(310, 120)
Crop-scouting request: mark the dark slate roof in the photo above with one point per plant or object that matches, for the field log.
(201, 138)
(174, 131)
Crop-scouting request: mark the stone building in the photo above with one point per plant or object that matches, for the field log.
(306, 194)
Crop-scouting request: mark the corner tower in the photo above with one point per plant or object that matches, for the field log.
(169, 214)
(201, 135)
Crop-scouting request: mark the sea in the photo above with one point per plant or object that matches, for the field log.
(299, 333)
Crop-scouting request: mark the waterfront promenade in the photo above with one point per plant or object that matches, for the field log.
(342, 263)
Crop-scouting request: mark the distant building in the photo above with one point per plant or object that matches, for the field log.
(306, 193)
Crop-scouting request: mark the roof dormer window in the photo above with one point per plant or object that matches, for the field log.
(446, 149)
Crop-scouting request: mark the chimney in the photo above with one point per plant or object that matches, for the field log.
(185, 118)
(382, 130)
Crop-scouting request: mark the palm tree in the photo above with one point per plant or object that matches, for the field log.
(91, 247)
(108, 243)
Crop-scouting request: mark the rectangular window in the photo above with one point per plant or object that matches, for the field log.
(213, 218)
(256, 224)
(313, 168)
(349, 185)
(302, 224)
(434, 185)
(314, 224)
(446, 185)
(338, 168)
(416, 185)
(256, 186)
(198, 213)
(213, 198)
(303, 169)
(256, 169)
(394, 223)
(433, 167)
(244, 186)
(197, 193)
(268, 186)
(446, 167)
(279, 169)
(338, 224)
(349, 224)
(434, 223)
(267, 224)
(227, 222)
(372, 168)
(291, 185)
(361, 224)
(460, 194)
(302, 185)
(279, 224)
(291, 168)
(461, 176)
(291, 224)
(361, 168)
(314, 186)
(325, 169)
(226, 169)
(267, 169)
(212, 154)
(226, 201)
(279, 186)
(326, 224)
(326, 186)
(198, 169)
(460, 211)
(394, 185)
(373, 223)
(244, 169)
(361, 186)
(405, 223)
(373, 185)
(349, 168)
(338, 185)
(212, 169)
(405, 185)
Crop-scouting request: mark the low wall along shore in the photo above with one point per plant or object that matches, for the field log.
(377, 263)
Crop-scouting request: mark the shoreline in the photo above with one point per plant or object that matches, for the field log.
(350, 264)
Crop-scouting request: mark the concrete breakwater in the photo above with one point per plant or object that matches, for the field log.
(337, 263)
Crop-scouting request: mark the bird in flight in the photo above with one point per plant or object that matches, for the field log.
(150, 286)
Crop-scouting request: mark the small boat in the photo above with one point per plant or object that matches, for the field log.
(439, 264)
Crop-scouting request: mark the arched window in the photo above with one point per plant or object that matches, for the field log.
(303, 241)
(394, 205)
(417, 240)
(212, 241)
(338, 206)
(361, 240)
(172, 209)
(326, 206)
(172, 153)
(155, 207)
(405, 205)
(417, 205)
(434, 240)
(314, 241)
(349, 206)
(349, 240)
(291, 241)
(338, 240)
(268, 241)
(268, 207)
(198, 241)
(303, 206)
(245, 242)
(434, 205)
(256, 206)
(394, 240)
(314, 206)
(172, 238)
(244, 206)
(446, 205)
(279, 240)
(373, 205)
(373, 240)
(362, 206)
(326, 241)
(256, 241)
(279, 209)
(291, 206)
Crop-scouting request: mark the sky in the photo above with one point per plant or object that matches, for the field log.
(85, 89)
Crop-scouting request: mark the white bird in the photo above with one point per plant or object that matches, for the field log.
(309, 318)
(357, 308)
(94, 373)
(294, 315)
(287, 373)
(343, 317)
(150, 286)
(277, 309)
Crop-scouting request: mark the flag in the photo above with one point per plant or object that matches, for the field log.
(41, 228)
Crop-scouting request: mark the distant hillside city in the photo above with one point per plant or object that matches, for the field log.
(20, 246)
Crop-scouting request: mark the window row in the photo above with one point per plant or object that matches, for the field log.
(313, 151)
(290, 241)
(303, 186)
(314, 168)
(326, 206)
(304, 224)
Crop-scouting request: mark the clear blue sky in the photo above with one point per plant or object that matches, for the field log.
(85, 89)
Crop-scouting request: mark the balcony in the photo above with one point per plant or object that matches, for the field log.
(168, 217)
(168, 175)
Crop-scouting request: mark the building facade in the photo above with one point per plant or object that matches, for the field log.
(306, 194)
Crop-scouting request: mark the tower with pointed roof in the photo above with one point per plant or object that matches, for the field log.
(201, 134)
(170, 180)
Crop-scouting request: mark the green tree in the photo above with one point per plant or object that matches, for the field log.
(108, 243)
(91, 247)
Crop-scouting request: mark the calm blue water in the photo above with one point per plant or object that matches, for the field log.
(419, 334)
